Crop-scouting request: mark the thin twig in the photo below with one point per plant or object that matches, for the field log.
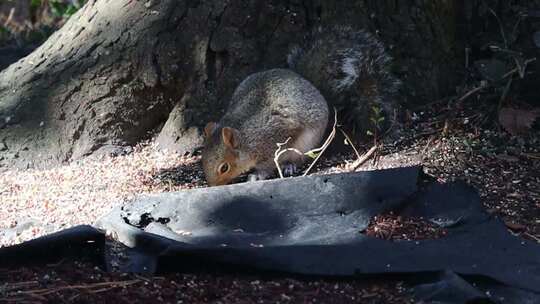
(467, 53)
(431, 138)
(471, 92)
(394, 119)
(63, 260)
(532, 237)
(279, 152)
(38, 297)
(365, 157)
(70, 300)
(350, 142)
(10, 17)
(15, 286)
(530, 155)
(504, 94)
(518, 69)
(46, 291)
(501, 28)
(286, 150)
(515, 28)
(321, 150)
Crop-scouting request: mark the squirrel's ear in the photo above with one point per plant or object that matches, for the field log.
(209, 129)
(230, 137)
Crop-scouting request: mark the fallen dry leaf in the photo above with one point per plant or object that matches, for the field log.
(517, 121)
(506, 157)
(515, 226)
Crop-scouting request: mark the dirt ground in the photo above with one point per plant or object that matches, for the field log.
(463, 146)
(452, 141)
(78, 282)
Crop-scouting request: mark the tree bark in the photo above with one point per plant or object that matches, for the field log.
(125, 70)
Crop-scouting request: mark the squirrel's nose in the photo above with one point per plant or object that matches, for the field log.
(220, 183)
(214, 182)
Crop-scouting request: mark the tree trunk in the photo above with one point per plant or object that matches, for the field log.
(122, 71)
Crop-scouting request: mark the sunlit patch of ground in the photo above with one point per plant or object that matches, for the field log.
(36, 202)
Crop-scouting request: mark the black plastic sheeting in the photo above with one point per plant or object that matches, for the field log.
(80, 241)
(312, 226)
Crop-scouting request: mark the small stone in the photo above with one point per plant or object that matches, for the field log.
(3, 146)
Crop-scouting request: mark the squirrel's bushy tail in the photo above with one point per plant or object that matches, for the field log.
(352, 70)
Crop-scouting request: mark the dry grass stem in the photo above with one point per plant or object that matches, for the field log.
(365, 157)
(327, 143)
(280, 152)
(350, 142)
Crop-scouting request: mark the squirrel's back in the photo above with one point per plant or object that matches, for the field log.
(281, 96)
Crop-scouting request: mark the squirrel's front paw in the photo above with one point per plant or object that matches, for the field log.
(289, 170)
(259, 175)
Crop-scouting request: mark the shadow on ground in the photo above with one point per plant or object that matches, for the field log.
(190, 174)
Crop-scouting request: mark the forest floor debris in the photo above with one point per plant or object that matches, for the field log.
(505, 170)
(395, 227)
(37, 202)
(80, 282)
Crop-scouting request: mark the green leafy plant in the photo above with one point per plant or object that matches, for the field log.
(312, 154)
(43, 18)
(58, 8)
(377, 119)
(63, 9)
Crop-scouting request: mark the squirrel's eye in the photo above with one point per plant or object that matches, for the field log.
(224, 168)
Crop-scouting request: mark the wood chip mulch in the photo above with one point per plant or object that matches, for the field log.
(81, 282)
(504, 169)
(395, 227)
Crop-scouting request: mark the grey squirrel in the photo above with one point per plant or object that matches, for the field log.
(350, 68)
